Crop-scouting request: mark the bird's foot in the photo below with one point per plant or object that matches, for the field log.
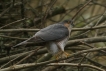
(57, 56)
(66, 54)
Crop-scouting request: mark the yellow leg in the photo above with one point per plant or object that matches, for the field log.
(57, 56)
(67, 54)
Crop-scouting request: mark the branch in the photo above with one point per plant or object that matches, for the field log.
(81, 9)
(13, 37)
(13, 23)
(70, 43)
(76, 65)
(20, 55)
(55, 12)
(5, 11)
(29, 55)
(22, 66)
(48, 9)
(75, 42)
(87, 40)
(88, 28)
(35, 30)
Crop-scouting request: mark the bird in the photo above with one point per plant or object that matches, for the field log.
(55, 36)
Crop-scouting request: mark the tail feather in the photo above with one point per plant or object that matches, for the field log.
(30, 40)
(22, 43)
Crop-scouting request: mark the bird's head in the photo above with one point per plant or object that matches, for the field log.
(68, 23)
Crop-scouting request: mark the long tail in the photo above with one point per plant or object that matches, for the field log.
(22, 43)
(29, 41)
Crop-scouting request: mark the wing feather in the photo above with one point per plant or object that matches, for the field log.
(53, 32)
(50, 33)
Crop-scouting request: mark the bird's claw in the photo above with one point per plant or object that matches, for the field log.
(67, 54)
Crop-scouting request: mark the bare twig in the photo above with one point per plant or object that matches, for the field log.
(35, 30)
(21, 66)
(21, 59)
(87, 40)
(6, 10)
(98, 22)
(21, 55)
(48, 9)
(13, 23)
(13, 37)
(77, 41)
(28, 56)
(76, 65)
(81, 9)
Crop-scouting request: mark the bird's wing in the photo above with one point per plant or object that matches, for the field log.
(50, 33)
(53, 32)
(33, 39)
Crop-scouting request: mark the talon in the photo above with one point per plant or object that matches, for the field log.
(67, 54)
(56, 57)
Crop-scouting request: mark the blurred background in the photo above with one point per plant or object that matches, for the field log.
(37, 14)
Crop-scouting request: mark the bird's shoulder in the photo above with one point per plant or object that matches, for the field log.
(54, 27)
(53, 32)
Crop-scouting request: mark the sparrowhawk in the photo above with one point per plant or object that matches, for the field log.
(55, 36)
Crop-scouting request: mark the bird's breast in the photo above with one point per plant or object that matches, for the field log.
(52, 48)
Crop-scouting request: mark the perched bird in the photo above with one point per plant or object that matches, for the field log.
(55, 36)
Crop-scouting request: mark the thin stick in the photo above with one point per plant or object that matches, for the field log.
(35, 30)
(13, 23)
(28, 56)
(73, 18)
(22, 66)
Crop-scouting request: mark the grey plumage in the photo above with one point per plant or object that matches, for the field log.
(53, 48)
(53, 32)
(53, 35)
